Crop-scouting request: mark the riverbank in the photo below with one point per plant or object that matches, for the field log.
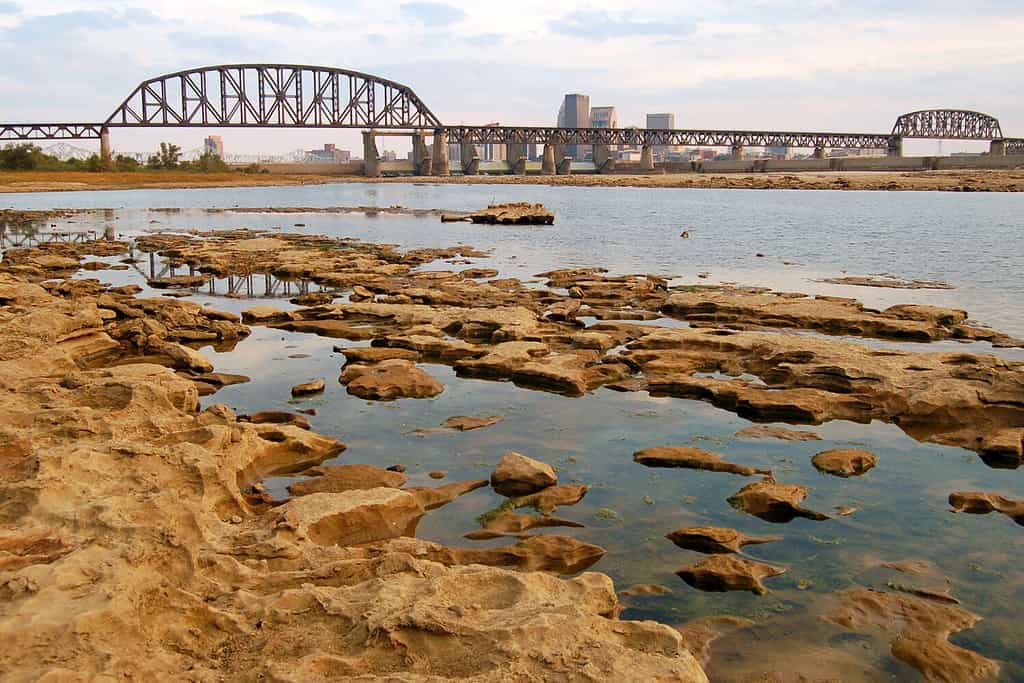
(142, 534)
(942, 181)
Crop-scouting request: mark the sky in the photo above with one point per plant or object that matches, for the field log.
(753, 64)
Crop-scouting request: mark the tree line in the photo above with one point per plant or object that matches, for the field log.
(26, 156)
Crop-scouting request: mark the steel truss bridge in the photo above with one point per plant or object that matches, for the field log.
(297, 96)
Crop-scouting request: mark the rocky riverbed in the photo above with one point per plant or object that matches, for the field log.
(139, 537)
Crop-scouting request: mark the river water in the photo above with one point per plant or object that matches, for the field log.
(975, 242)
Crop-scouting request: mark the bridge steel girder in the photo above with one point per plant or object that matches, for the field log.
(643, 137)
(272, 96)
(50, 131)
(947, 124)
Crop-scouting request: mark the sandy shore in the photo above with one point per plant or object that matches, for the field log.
(949, 181)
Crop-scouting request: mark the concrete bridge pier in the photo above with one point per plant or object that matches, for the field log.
(895, 147)
(997, 148)
(565, 166)
(547, 164)
(105, 158)
(371, 160)
(737, 152)
(420, 156)
(515, 154)
(470, 159)
(647, 158)
(603, 159)
(819, 152)
(440, 166)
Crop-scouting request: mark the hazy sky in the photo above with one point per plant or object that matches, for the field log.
(815, 65)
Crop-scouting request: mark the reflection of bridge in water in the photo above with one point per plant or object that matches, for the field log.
(243, 285)
(296, 96)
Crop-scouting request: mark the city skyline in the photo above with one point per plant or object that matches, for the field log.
(768, 64)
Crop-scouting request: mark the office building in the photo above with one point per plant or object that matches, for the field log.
(575, 113)
(214, 145)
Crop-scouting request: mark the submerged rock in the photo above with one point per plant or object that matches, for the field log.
(773, 432)
(431, 498)
(919, 629)
(389, 380)
(518, 475)
(773, 502)
(514, 523)
(844, 462)
(721, 573)
(691, 458)
(553, 497)
(646, 589)
(715, 540)
(700, 633)
(981, 503)
(465, 423)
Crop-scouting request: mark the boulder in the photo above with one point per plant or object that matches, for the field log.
(721, 573)
(844, 462)
(308, 388)
(389, 380)
(518, 475)
(350, 518)
(773, 502)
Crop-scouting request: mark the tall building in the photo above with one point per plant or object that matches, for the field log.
(214, 145)
(662, 122)
(574, 113)
(604, 117)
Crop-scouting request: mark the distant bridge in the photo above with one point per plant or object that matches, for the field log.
(297, 96)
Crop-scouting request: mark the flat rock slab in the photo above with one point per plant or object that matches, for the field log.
(553, 497)
(721, 573)
(691, 458)
(715, 540)
(465, 423)
(338, 478)
(518, 475)
(512, 523)
(276, 417)
(315, 386)
(844, 462)
(773, 502)
(431, 498)
(389, 380)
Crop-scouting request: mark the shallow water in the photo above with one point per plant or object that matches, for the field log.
(975, 242)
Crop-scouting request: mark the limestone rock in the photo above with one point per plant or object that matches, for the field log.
(548, 500)
(691, 458)
(700, 633)
(276, 417)
(773, 502)
(184, 357)
(465, 423)
(431, 498)
(350, 518)
(518, 475)
(714, 540)
(308, 388)
(264, 315)
(844, 462)
(646, 589)
(376, 354)
(514, 523)
(981, 503)
(389, 380)
(721, 573)
(339, 478)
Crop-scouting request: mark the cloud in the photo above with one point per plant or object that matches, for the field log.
(290, 19)
(9, 8)
(594, 25)
(433, 13)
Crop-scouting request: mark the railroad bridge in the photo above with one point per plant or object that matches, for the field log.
(297, 96)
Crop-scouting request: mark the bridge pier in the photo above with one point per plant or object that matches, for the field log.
(420, 157)
(737, 152)
(105, 157)
(895, 147)
(565, 166)
(603, 159)
(515, 154)
(819, 152)
(440, 165)
(997, 148)
(470, 159)
(547, 165)
(647, 158)
(371, 160)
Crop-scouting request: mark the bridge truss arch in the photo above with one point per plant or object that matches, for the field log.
(272, 95)
(947, 124)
